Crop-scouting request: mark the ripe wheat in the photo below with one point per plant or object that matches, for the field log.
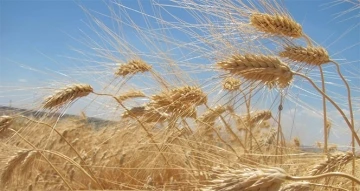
(66, 95)
(269, 70)
(310, 55)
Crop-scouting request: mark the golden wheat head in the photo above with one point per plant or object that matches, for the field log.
(310, 55)
(248, 179)
(5, 122)
(269, 70)
(132, 67)
(129, 95)
(276, 25)
(175, 99)
(67, 95)
(333, 162)
(260, 116)
(210, 116)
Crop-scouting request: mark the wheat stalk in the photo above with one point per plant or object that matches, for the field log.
(132, 67)
(311, 55)
(276, 25)
(269, 70)
(66, 95)
(333, 162)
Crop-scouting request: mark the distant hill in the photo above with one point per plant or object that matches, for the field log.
(4, 110)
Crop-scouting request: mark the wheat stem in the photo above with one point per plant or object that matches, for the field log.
(351, 115)
(340, 174)
(334, 104)
(324, 110)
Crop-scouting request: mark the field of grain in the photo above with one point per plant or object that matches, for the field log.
(210, 109)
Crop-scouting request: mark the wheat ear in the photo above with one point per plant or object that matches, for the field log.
(210, 116)
(248, 179)
(130, 94)
(276, 25)
(260, 116)
(132, 67)
(333, 162)
(311, 55)
(269, 70)
(175, 99)
(67, 94)
(5, 122)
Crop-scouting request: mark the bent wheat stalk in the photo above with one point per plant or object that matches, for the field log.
(353, 132)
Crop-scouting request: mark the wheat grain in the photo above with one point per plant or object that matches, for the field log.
(276, 25)
(132, 67)
(310, 55)
(266, 69)
(66, 95)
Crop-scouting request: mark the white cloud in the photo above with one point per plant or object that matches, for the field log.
(22, 80)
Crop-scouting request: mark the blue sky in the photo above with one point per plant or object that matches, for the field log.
(29, 28)
(36, 35)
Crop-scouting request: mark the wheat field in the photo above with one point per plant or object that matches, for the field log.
(208, 101)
